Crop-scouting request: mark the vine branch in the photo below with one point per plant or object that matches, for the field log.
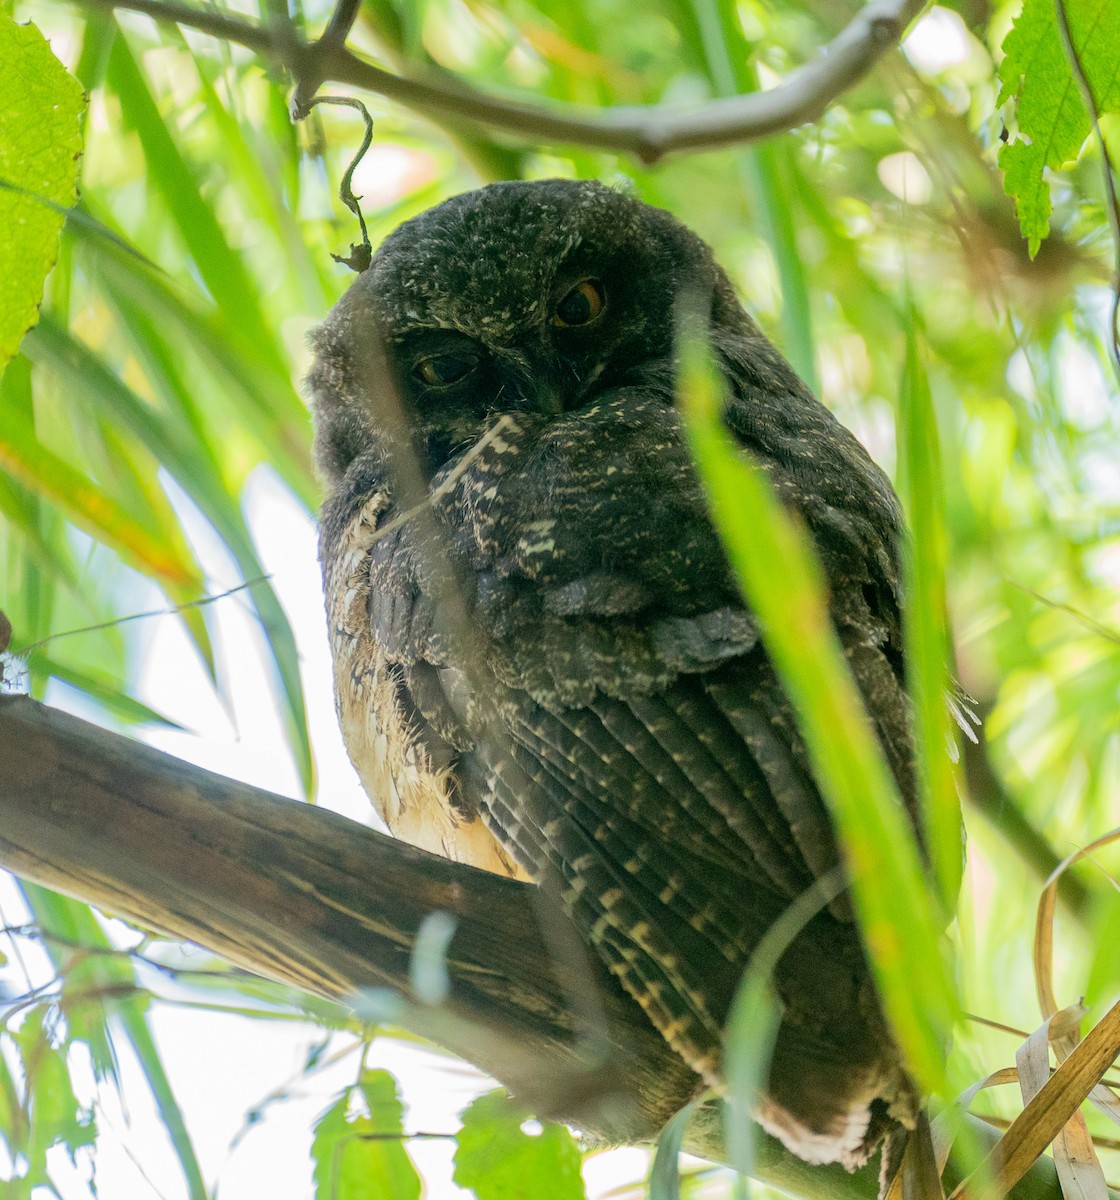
(649, 132)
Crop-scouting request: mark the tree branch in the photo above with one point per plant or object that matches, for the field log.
(648, 132)
(309, 898)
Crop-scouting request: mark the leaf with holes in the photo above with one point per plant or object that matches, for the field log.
(498, 1160)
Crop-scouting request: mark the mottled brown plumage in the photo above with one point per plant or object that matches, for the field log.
(622, 734)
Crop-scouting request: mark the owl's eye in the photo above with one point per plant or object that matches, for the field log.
(582, 305)
(442, 370)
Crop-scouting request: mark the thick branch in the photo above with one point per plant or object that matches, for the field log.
(648, 132)
(304, 896)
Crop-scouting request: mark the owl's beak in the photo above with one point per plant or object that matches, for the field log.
(538, 386)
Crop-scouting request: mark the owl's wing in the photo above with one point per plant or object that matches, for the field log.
(679, 820)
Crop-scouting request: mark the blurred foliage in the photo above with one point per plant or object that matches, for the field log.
(165, 374)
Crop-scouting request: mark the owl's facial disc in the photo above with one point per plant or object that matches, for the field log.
(527, 297)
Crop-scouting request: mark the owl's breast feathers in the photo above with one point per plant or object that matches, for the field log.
(651, 764)
(405, 766)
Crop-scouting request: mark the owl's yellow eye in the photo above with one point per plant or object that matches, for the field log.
(442, 370)
(582, 305)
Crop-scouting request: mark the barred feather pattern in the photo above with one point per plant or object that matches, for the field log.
(625, 737)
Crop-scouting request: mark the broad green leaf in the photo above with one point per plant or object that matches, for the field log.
(498, 1160)
(40, 141)
(782, 582)
(924, 621)
(1053, 121)
(362, 1156)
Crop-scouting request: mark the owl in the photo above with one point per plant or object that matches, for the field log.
(615, 729)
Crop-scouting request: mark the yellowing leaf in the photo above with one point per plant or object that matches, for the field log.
(40, 141)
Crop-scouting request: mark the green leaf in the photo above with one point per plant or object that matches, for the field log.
(102, 689)
(40, 141)
(56, 1116)
(925, 622)
(13, 1118)
(176, 438)
(498, 1160)
(1051, 113)
(782, 582)
(362, 1157)
(665, 1171)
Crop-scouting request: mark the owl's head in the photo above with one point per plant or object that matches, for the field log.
(518, 297)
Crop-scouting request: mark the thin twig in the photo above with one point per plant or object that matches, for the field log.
(650, 132)
(201, 602)
(360, 255)
(1083, 619)
(216, 24)
(1113, 206)
(332, 40)
(341, 22)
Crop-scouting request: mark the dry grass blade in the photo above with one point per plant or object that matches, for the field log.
(919, 1174)
(1044, 929)
(945, 1124)
(1079, 1169)
(1041, 1121)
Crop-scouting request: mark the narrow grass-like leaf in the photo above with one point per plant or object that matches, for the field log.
(783, 585)
(88, 1017)
(752, 1025)
(219, 265)
(20, 510)
(427, 968)
(1052, 1106)
(763, 167)
(102, 689)
(126, 464)
(42, 524)
(924, 620)
(263, 401)
(665, 1170)
(89, 506)
(178, 441)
